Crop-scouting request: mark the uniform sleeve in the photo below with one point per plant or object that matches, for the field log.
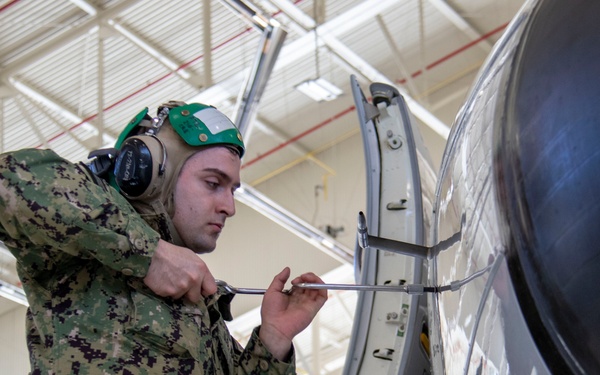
(48, 202)
(257, 357)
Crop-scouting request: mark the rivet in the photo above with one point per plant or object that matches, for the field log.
(203, 137)
(185, 112)
(239, 137)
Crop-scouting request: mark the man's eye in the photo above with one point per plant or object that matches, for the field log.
(212, 184)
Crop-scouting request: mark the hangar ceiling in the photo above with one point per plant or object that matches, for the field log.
(73, 72)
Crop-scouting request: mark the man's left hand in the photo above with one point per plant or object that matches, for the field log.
(286, 315)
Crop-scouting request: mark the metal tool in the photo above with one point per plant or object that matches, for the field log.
(407, 288)
(233, 290)
(404, 288)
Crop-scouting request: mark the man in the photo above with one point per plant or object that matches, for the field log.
(112, 276)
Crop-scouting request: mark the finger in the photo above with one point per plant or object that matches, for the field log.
(307, 278)
(311, 278)
(279, 280)
(193, 295)
(208, 286)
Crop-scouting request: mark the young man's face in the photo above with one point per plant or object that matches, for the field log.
(204, 197)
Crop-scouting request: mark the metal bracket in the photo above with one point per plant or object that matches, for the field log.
(365, 240)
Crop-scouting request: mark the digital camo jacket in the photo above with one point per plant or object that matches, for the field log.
(82, 252)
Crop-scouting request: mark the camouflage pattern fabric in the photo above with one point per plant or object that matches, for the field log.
(82, 252)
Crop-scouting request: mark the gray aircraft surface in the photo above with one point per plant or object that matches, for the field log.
(492, 265)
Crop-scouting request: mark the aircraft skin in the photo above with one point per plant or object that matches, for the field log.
(514, 243)
(479, 328)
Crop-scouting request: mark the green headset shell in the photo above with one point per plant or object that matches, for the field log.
(131, 128)
(203, 125)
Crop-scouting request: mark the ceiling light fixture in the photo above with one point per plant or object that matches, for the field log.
(318, 89)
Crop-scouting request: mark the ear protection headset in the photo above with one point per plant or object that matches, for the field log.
(140, 157)
(139, 166)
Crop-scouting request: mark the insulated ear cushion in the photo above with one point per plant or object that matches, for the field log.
(138, 167)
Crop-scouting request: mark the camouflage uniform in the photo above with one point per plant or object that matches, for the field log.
(82, 252)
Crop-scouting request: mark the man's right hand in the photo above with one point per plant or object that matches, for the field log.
(178, 272)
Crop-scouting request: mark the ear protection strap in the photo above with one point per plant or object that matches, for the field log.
(163, 164)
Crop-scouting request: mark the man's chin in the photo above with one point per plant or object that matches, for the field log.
(203, 248)
(198, 251)
(201, 244)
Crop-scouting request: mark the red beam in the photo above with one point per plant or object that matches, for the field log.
(8, 5)
(297, 137)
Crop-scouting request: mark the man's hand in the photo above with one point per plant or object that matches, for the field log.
(284, 316)
(178, 272)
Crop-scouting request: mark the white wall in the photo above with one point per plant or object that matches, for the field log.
(14, 357)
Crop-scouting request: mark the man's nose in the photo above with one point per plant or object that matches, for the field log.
(228, 204)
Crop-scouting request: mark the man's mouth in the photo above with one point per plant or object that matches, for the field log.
(219, 226)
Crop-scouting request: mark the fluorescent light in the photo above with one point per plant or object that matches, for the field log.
(319, 89)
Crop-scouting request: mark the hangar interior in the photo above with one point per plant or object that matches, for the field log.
(74, 72)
